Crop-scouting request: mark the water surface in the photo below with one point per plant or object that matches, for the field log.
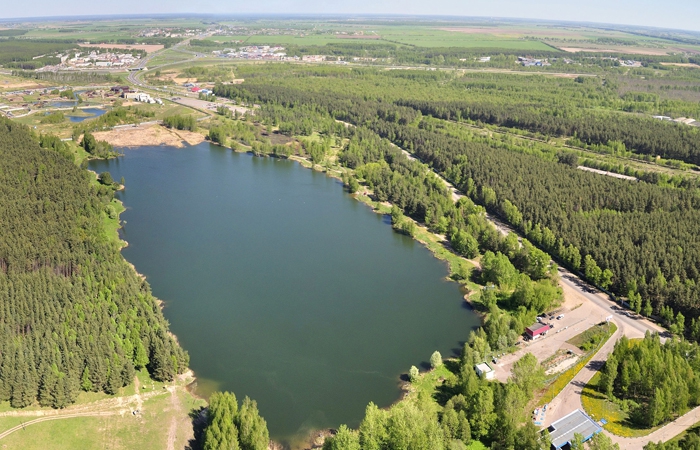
(280, 285)
(94, 112)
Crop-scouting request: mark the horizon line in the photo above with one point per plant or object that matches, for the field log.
(331, 15)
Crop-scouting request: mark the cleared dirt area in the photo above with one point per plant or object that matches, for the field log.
(149, 135)
(15, 84)
(507, 31)
(146, 48)
(623, 49)
(606, 173)
(359, 36)
(680, 64)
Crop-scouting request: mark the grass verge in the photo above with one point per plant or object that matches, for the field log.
(599, 407)
(556, 386)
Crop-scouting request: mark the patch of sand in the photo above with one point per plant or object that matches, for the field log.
(358, 36)
(148, 135)
(512, 32)
(625, 50)
(680, 64)
(180, 80)
(146, 48)
(20, 84)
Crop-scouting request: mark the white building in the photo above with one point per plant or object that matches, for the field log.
(485, 371)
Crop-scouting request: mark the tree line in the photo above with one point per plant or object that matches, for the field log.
(643, 135)
(74, 316)
(657, 381)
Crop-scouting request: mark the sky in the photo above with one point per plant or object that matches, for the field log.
(678, 14)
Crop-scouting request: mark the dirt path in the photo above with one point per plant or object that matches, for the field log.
(55, 417)
(120, 405)
(137, 393)
(172, 431)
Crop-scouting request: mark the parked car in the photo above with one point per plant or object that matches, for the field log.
(560, 316)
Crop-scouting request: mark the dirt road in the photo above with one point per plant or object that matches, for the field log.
(55, 417)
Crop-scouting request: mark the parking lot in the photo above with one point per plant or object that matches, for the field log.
(579, 315)
(204, 105)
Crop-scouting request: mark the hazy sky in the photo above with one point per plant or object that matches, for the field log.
(681, 14)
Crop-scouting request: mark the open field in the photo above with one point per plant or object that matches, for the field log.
(163, 422)
(434, 37)
(622, 49)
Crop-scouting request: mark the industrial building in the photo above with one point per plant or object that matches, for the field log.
(562, 432)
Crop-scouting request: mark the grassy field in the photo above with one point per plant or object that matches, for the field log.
(164, 418)
(599, 407)
(434, 37)
(152, 429)
(591, 337)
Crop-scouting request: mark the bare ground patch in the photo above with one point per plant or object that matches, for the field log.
(149, 135)
(146, 48)
(680, 64)
(358, 36)
(626, 50)
(511, 32)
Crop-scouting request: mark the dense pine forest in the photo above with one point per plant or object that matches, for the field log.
(75, 316)
(637, 239)
(638, 372)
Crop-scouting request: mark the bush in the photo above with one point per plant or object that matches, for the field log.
(106, 179)
(56, 117)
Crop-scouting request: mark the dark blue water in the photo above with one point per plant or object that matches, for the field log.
(281, 286)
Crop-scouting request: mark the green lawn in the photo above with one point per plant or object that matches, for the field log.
(116, 432)
(591, 337)
(598, 407)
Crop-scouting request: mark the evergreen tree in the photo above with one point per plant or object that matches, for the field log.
(252, 429)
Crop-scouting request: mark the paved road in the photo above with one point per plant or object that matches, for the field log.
(628, 324)
(134, 75)
(665, 433)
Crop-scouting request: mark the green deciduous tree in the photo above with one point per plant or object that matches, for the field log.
(435, 359)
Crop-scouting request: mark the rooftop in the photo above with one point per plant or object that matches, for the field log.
(484, 367)
(562, 431)
(534, 328)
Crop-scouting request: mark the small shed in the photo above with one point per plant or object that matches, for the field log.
(536, 330)
(485, 371)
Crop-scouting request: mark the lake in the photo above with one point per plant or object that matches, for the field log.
(281, 285)
(94, 112)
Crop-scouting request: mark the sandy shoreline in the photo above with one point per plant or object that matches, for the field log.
(149, 135)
